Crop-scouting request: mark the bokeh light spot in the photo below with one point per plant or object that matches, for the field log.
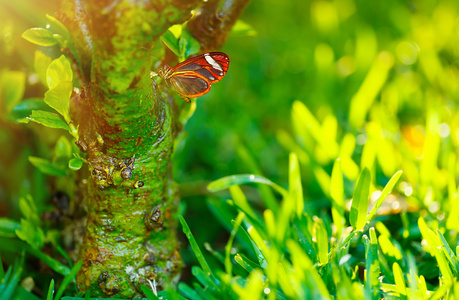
(407, 52)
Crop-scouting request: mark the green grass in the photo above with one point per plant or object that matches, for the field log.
(295, 256)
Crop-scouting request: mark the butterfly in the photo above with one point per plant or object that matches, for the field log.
(194, 77)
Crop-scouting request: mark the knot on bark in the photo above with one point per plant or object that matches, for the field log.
(109, 171)
(153, 219)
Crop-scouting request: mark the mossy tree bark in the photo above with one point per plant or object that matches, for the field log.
(127, 128)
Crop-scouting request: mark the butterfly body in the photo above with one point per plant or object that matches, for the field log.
(194, 77)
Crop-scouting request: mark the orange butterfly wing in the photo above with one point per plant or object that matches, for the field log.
(194, 77)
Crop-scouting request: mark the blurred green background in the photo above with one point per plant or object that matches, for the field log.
(380, 80)
(374, 83)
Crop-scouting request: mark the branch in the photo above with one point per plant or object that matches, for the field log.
(214, 21)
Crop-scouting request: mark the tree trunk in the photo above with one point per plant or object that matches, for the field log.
(127, 128)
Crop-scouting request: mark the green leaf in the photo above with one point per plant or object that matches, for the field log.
(40, 36)
(59, 70)
(149, 293)
(187, 291)
(399, 279)
(259, 246)
(21, 293)
(295, 187)
(229, 245)
(385, 192)
(41, 64)
(360, 201)
(176, 30)
(305, 121)
(11, 279)
(29, 209)
(58, 27)
(372, 265)
(8, 228)
(57, 266)
(46, 167)
(441, 292)
(2, 272)
(337, 195)
(25, 108)
(303, 265)
(62, 153)
(75, 163)
(224, 213)
(388, 248)
(226, 182)
(322, 240)
(204, 278)
(63, 148)
(171, 40)
(245, 262)
(58, 98)
(304, 237)
(12, 86)
(241, 201)
(30, 230)
(201, 259)
(68, 279)
(31, 234)
(337, 186)
(188, 44)
(47, 119)
(254, 286)
(448, 252)
(49, 296)
(251, 164)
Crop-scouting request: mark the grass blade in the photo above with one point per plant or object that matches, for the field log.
(187, 291)
(202, 261)
(385, 192)
(49, 296)
(372, 265)
(399, 280)
(295, 188)
(448, 252)
(322, 240)
(149, 293)
(229, 245)
(246, 263)
(360, 201)
(2, 272)
(51, 262)
(226, 182)
(68, 279)
(12, 279)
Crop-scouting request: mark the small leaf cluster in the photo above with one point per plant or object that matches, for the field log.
(53, 111)
(180, 41)
(28, 237)
(64, 159)
(59, 78)
(56, 34)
